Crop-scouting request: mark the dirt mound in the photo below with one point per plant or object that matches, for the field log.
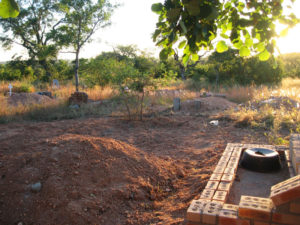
(276, 103)
(207, 104)
(27, 99)
(85, 180)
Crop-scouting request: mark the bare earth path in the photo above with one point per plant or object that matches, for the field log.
(109, 171)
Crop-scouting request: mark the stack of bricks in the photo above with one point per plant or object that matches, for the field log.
(78, 98)
(217, 188)
(281, 208)
(286, 199)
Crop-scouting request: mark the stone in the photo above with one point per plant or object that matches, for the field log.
(55, 83)
(74, 106)
(46, 93)
(36, 187)
(176, 104)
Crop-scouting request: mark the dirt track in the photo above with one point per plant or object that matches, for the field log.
(109, 171)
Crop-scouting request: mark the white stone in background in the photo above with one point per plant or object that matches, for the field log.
(55, 83)
(10, 87)
(214, 122)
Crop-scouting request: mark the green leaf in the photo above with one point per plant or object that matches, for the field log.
(173, 14)
(183, 26)
(163, 55)
(249, 42)
(9, 8)
(284, 32)
(222, 46)
(195, 57)
(264, 56)
(244, 51)
(193, 7)
(224, 36)
(259, 47)
(181, 44)
(238, 45)
(157, 8)
(156, 33)
(185, 59)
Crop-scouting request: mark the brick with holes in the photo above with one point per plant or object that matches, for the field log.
(210, 212)
(207, 194)
(212, 185)
(286, 191)
(195, 210)
(255, 208)
(215, 177)
(224, 186)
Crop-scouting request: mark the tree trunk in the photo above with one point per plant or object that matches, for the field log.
(182, 72)
(76, 69)
(142, 105)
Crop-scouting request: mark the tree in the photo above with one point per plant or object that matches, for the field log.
(248, 25)
(9, 8)
(82, 19)
(35, 29)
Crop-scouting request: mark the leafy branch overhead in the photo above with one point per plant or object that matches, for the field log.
(9, 8)
(194, 25)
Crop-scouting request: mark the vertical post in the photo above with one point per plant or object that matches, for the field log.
(10, 87)
(176, 104)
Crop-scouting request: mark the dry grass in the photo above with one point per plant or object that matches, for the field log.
(57, 109)
(239, 94)
(280, 122)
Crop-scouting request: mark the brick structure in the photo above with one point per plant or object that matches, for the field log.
(281, 208)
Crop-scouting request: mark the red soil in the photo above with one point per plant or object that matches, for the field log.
(109, 171)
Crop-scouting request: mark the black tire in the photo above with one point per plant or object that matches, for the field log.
(261, 160)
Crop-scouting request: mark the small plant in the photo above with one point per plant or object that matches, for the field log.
(24, 88)
(132, 92)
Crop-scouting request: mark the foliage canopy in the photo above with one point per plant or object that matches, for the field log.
(194, 25)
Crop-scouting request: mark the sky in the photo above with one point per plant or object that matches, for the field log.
(133, 23)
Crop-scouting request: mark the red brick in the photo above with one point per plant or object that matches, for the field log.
(224, 186)
(287, 193)
(227, 178)
(229, 170)
(215, 177)
(295, 208)
(220, 196)
(255, 208)
(285, 183)
(285, 219)
(195, 210)
(212, 185)
(211, 212)
(261, 223)
(207, 194)
(219, 169)
(228, 215)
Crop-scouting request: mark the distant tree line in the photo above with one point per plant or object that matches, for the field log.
(225, 68)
